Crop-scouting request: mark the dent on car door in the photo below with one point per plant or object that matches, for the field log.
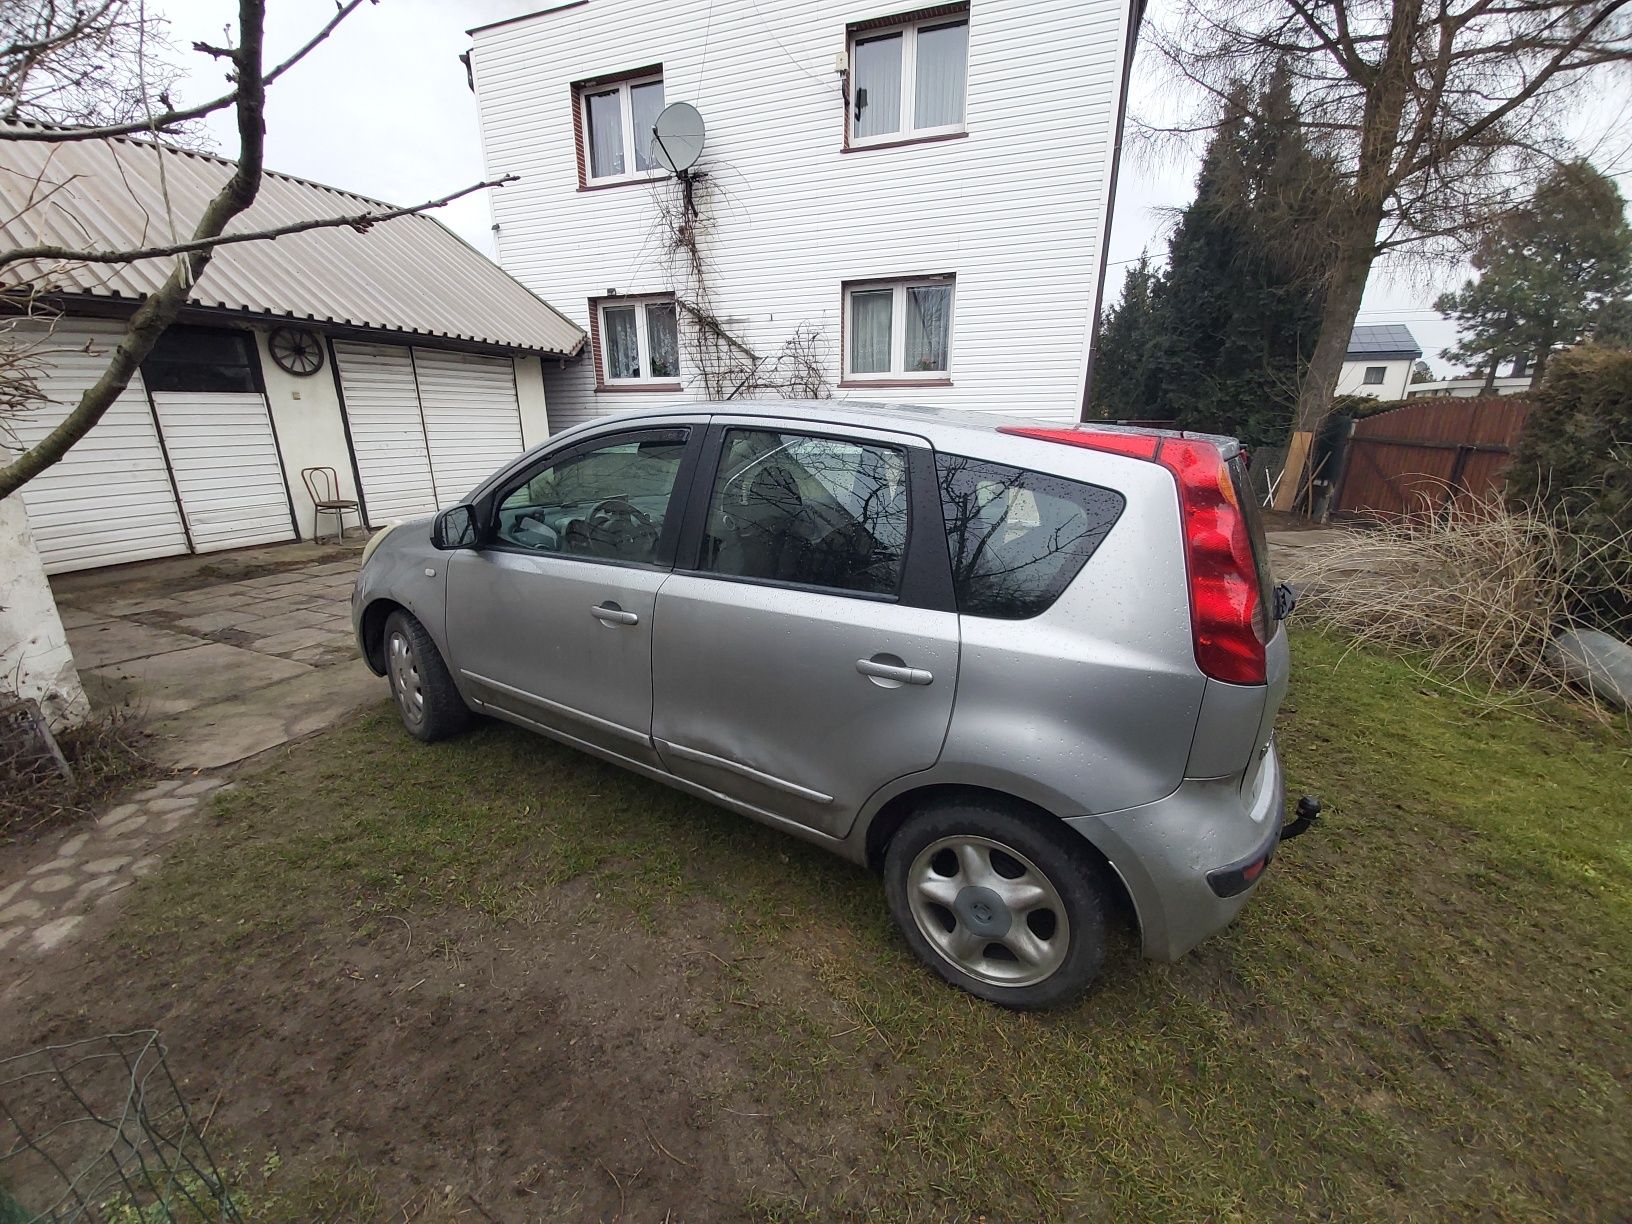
(550, 622)
(796, 665)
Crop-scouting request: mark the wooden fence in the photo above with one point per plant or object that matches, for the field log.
(1415, 459)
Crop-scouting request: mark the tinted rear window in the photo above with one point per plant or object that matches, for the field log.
(1018, 538)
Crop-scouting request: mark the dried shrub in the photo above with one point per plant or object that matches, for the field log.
(1473, 592)
(105, 754)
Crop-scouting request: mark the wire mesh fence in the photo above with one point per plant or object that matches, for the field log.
(98, 1132)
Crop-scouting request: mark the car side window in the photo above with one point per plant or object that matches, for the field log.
(1018, 538)
(815, 511)
(604, 501)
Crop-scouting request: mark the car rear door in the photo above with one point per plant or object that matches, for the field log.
(550, 623)
(806, 648)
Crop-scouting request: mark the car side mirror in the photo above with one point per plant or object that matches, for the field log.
(455, 529)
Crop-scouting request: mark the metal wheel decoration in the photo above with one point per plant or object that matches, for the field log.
(405, 682)
(989, 910)
(296, 351)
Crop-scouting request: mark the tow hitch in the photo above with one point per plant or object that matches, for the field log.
(1308, 814)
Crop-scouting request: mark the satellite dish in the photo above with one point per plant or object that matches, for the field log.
(677, 137)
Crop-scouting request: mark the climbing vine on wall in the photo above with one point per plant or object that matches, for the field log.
(726, 364)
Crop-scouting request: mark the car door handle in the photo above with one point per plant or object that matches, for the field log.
(610, 614)
(893, 672)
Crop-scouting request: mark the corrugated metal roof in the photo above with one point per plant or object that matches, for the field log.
(409, 275)
(1374, 339)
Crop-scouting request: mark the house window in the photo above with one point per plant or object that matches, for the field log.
(1375, 375)
(615, 119)
(907, 78)
(639, 342)
(898, 330)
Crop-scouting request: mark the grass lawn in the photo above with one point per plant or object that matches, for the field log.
(497, 973)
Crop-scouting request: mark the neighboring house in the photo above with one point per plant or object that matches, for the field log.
(401, 357)
(1520, 381)
(1468, 388)
(891, 203)
(1379, 361)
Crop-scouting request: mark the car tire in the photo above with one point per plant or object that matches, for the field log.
(998, 903)
(427, 701)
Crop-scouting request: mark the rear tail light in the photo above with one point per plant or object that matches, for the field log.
(1226, 623)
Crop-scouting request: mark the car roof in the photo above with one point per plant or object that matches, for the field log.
(939, 424)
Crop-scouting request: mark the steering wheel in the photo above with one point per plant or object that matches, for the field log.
(616, 523)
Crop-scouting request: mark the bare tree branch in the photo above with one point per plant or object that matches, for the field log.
(360, 222)
(170, 118)
(1437, 114)
(159, 309)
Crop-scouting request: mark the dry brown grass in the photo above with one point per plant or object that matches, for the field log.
(1471, 593)
(106, 756)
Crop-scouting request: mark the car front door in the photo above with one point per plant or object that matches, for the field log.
(806, 650)
(550, 623)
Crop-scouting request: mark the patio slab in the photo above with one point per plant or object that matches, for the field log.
(181, 680)
(115, 641)
(80, 618)
(211, 622)
(223, 733)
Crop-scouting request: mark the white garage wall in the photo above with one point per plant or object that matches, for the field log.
(306, 413)
(109, 500)
(472, 421)
(535, 416)
(225, 463)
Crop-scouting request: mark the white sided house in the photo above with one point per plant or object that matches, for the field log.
(890, 202)
(399, 357)
(1379, 361)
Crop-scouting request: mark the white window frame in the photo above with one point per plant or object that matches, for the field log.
(1366, 380)
(626, 118)
(898, 329)
(642, 342)
(909, 82)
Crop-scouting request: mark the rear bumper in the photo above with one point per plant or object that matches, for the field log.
(1187, 859)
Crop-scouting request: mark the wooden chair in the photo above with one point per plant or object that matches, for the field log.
(324, 488)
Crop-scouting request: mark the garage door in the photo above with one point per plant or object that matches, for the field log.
(387, 432)
(472, 421)
(109, 500)
(225, 461)
(426, 426)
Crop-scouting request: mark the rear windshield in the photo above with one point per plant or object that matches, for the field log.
(1260, 544)
(1018, 538)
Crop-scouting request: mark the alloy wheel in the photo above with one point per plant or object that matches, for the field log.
(989, 910)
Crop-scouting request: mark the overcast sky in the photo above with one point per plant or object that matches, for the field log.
(383, 109)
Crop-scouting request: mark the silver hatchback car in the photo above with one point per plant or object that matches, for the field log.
(1029, 674)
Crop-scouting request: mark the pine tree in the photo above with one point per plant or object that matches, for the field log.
(1242, 295)
(1220, 340)
(1126, 381)
(1546, 273)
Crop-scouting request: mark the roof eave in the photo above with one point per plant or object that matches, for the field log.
(116, 304)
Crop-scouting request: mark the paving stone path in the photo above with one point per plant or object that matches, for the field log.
(51, 900)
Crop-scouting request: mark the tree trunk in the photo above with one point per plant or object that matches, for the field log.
(1344, 290)
(1345, 287)
(1490, 376)
(1540, 367)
